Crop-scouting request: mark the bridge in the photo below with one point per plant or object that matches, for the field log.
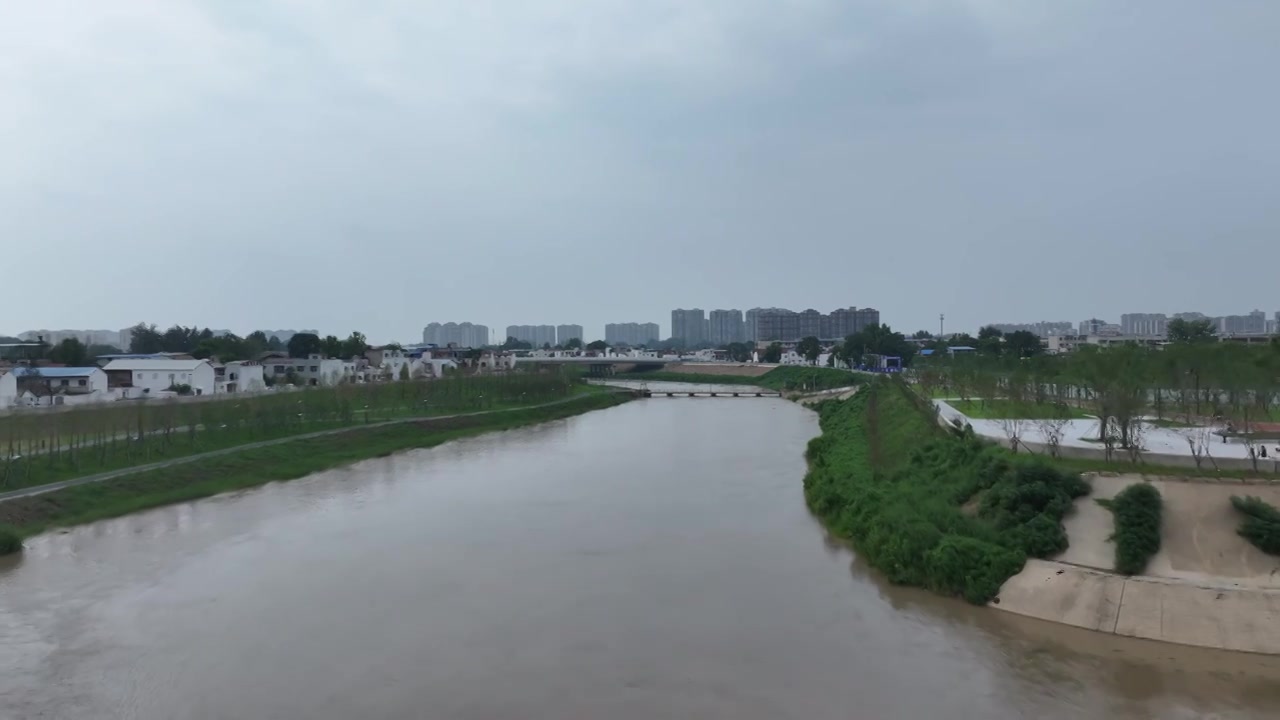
(599, 366)
(644, 392)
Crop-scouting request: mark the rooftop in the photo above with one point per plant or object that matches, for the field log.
(157, 364)
(53, 372)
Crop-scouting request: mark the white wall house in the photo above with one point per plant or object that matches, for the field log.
(8, 390)
(394, 360)
(59, 385)
(238, 376)
(311, 370)
(155, 376)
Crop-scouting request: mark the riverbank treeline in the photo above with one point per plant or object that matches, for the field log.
(39, 447)
(786, 378)
(930, 507)
(285, 461)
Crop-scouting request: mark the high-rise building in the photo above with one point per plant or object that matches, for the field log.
(1145, 324)
(777, 324)
(460, 334)
(809, 323)
(632, 334)
(749, 325)
(536, 335)
(1092, 326)
(689, 325)
(565, 333)
(724, 327)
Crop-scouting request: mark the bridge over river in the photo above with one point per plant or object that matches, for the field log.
(601, 366)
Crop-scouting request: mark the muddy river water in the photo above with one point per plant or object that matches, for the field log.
(654, 560)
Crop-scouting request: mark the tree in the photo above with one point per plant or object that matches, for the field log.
(355, 345)
(70, 352)
(738, 352)
(990, 340)
(773, 353)
(514, 344)
(573, 344)
(97, 351)
(274, 344)
(922, 335)
(810, 347)
(877, 340)
(1190, 331)
(962, 340)
(597, 345)
(404, 371)
(255, 343)
(303, 344)
(331, 346)
(144, 338)
(1022, 344)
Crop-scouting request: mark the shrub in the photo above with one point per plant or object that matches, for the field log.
(10, 540)
(1137, 511)
(1261, 525)
(970, 568)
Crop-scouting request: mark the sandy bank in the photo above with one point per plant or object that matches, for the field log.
(1207, 586)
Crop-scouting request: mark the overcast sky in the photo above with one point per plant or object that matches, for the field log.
(378, 165)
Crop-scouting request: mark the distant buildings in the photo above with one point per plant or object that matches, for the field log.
(536, 335)
(565, 333)
(689, 325)
(88, 337)
(633, 334)
(460, 334)
(1143, 324)
(781, 324)
(724, 327)
(1043, 329)
(284, 336)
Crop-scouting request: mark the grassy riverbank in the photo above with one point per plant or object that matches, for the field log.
(927, 507)
(46, 446)
(286, 461)
(787, 377)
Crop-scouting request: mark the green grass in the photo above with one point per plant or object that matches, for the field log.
(286, 461)
(886, 476)
(785, 378)
(999, 409)
(1137, 512)
(226, 424)
(1261, 524)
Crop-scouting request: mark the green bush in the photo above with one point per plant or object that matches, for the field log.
(1261, 524)
(885, 475)
(10, 540)
(1137, 512)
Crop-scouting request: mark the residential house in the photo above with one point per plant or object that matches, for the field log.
(239, 376)
(314, 369)
(80, 384)
(157, 375)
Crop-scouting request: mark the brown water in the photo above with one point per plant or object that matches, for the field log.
(654, 560)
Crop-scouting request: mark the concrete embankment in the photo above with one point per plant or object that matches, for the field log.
(1206, 587)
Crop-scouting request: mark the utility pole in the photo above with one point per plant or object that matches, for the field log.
(941, 324)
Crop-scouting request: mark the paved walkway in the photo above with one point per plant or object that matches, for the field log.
(112, 474)
(1209, 615)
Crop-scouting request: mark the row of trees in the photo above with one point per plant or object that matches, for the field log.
(1200, 385)
(44, 447)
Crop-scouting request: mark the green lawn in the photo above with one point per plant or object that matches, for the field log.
(998, 409)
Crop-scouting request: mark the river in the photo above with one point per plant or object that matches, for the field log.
(654, 560)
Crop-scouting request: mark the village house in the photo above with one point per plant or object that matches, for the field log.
(58, 385)
(239, 376)
(8, 389)
(156, 375)
(315, 369)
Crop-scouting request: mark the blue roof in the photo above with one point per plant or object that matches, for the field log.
(55, 372)
(961, 347)
(926, 353)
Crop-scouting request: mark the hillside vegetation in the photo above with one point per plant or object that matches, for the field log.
(886, 476)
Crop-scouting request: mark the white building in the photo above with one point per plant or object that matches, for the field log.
(155, 375)
(312, 370)
(239, 376)
(394, 361)
(67, 380)
(8, 390)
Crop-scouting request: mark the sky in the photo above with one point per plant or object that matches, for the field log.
(382, 164)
